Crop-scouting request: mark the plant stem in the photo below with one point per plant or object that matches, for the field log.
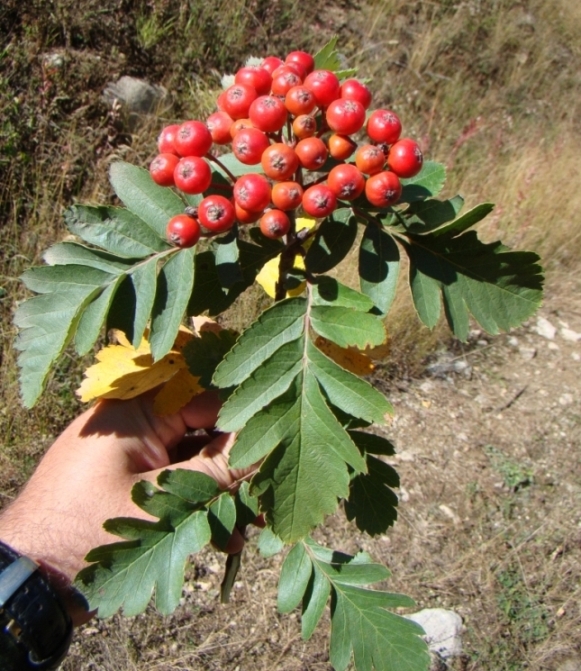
(219, 163)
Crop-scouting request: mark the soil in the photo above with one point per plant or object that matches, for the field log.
(489, 523)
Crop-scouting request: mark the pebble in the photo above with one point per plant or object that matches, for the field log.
(545, 329)
(553, 346)
(527, 353)
(566, 399)
(570, 335)
(513, 341)
(443, 630)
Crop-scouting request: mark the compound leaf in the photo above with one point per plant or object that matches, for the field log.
(332, 241)
(294, 578)
(144, 281)
(372, 444)
(115, 229)
(347, 327)
(372, 502)
(499, 287)
(153, 204)
(94, 315)
(222, 518)
(426, 215)
(466, 221)
(314, 602)
(174, 287)
(71, 253)
(153, 555)
(426, 184)
(328, 291)
(378, 267)
(228, 259)
(269, 544)
(203, 354)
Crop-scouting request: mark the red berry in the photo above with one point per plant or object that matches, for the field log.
(284, 81)
(193, 139)
(304, 59)
(244, 216)
(319, 201)
(296, 68)
(346, 181)
(249, 144)
(255, 76)
(351, 89)
(299, 100)
(341, 146)
(370, 159)
(162, 169)
(304, 126)
(279, 161)
(236, 100)
(252, 192)
(268, 113)
(384, 126)
(238, 125)
(165, 141)
(345, 116)
(405, 158)
(192, 175)
(274, 224)
(324, 85)
(383, 189)
(287, 195)
(270, 63)
(219, 124)
(312, 153)
(216, 213)
(183, 230)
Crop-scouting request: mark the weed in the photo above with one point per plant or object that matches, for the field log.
(514, 475)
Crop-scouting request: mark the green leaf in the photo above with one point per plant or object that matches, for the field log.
(466, 221)
(328, 291)
(203, 354)
(280, 324)
(174, 287)
(347, 327)
(94, 316)
(427, 215)
(378, 639)
(236, 167)
(46, 325)
(60, 279)
(153, 204)
(314, 602)
(222, 518)
(294, 578)
(378, 267)
(426, 184)
(266, 383)
(228, 259)
(246, 506)
(144, 281)
(346, 390)
(304, 476)
(327, 58)
(71, 253)
(499, 287)
(372, 444)
(115, 229)
(269, 544)
(372, 502)
(153, 556)
(332, 241)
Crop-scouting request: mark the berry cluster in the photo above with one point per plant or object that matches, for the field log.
(293, 121)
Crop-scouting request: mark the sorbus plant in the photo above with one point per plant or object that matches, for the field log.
(197, 230)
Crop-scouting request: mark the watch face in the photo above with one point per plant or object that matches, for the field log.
(34, 624)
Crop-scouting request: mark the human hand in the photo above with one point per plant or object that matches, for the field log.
(87, 474)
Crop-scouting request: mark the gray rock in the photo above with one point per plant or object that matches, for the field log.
(136, 95)
(443, 630)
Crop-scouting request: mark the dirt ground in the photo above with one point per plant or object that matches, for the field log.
(489, 455)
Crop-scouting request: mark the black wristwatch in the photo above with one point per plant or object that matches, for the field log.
(35, 628)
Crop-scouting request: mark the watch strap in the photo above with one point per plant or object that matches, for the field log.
(35, 628)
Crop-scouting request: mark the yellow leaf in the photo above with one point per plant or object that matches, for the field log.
(176, 392)
(268, 275)
(350, 359)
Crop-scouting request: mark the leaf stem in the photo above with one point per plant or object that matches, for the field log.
(219, 163)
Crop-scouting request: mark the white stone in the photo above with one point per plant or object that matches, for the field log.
(566, 399)
(545, 329)
(513, 341)
(443, 630)
(553, 346)
(136, 94)
(569, 334)
(527, 353)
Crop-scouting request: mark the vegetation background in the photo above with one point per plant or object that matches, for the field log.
(488, 87)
